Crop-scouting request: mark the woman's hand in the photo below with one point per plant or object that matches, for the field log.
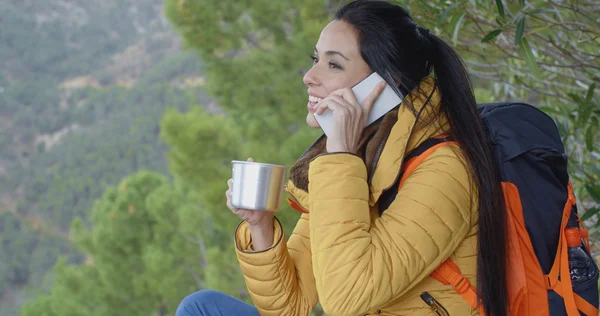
(349, 118)
(254, 218)
(260, 223)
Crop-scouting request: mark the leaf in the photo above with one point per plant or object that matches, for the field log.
(590, 212)
(522, 3)
(594, 192)
(457, 28)
(576, 98)
(520, 30)
(527, 54)
(540, 10)
(500, 22)
(491, 35)
(444, 14)
(500, 8)
(584, 112)
(590, 92)
(539, 29)
(589, 138)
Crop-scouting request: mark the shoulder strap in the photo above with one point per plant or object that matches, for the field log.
(448, 273)
(388, 196)
(412, 164)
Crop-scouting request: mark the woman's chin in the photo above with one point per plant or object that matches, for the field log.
(310, 120)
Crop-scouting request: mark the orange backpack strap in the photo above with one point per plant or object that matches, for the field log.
(527, 293)
(412, 164)
(562, 285)
(449, 274)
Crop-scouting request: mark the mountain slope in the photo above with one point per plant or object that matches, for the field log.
(83, 85)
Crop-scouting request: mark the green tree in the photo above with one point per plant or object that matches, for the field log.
(254, 54)
(543, 52)
(144, 252)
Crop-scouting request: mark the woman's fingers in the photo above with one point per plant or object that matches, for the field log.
(372, 97)
(230, 206)
(328, 104)
(355, 107)
(229, 194)
(347, 94)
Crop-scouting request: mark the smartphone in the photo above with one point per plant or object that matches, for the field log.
(387, 100)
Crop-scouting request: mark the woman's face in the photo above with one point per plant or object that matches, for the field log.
(337, 64)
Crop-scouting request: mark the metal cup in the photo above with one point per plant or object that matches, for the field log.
(257, 186)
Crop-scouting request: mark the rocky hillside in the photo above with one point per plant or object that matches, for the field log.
(83, 85)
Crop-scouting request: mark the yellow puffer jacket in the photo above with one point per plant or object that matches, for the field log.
(354, 262)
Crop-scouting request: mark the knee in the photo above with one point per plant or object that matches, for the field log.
(197, 303)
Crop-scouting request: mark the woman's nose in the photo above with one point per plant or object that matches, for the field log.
(310, 78)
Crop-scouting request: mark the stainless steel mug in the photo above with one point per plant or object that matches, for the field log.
(257, 186)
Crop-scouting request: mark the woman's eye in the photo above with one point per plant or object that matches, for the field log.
(332, 65)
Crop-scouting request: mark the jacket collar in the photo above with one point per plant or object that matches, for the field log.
(385, 143)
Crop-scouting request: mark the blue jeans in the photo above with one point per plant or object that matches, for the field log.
(213, 303)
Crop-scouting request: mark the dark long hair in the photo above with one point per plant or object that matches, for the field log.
(394, 46)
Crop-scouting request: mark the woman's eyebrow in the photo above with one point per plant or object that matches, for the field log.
(332, 52)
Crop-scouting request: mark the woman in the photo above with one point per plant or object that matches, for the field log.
(342, 253)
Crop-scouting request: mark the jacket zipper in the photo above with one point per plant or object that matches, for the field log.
(437, 308)
(376, 158)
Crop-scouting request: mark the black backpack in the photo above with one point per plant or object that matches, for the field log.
(531, 158)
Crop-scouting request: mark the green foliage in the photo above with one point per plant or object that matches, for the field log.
(540, 52)
(110, 132)
(254, 65)
(141, 256)
(254, 49)
(13, 269)
(61, 147)
(201, 149)
(62, 182)
(66, 178)
(47, 39)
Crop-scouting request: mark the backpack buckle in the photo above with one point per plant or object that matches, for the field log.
(460, 284)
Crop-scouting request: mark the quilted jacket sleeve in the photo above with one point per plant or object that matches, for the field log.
(360, 266)
(280, 279)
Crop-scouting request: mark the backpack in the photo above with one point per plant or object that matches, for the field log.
(540, 204)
